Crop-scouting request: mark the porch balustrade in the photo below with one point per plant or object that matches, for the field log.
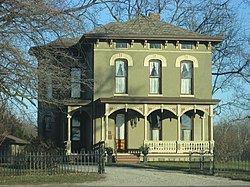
(179, 146)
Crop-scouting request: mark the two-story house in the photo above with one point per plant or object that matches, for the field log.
(151, 85)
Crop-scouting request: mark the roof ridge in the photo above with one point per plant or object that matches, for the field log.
(146, 27)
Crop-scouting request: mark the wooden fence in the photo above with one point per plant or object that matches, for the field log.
(33, 163)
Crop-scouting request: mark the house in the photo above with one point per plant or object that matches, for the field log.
(10, 144)
(152, 85)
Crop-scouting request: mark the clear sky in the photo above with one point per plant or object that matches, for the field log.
(243, 13)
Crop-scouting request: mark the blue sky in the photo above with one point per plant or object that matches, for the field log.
(243, 13)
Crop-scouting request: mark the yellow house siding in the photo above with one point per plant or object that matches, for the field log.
(135, 135)
(169, 130)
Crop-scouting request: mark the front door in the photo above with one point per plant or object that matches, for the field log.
(120, 139)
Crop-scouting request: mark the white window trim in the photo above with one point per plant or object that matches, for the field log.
(121, 56)
(183, 95)
(120, 94)
(155, 95)
(155, 57)
(186, 58)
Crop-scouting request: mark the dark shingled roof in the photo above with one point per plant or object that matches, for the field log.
(146, 27)
(14, 140)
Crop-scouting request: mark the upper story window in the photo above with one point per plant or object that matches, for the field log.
(187, 77)
(186, 127)
(155, 45)
(155, 77)
(75, 82)
(121, 76)
(49, 121)
(186, 46)
(121, 45)
(49, 87)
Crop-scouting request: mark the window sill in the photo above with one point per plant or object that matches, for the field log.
(120, 94)
(155, 95)
(186, 95)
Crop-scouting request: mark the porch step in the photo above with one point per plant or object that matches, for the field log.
(127, 158)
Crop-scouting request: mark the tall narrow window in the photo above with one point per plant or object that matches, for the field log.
(121, 76)
(75, 82)
(49, 87)
(155, 77)
(186, 127)
(155, 123)
(186, 77)
(76, 131)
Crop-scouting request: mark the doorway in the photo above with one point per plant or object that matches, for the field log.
(120, 132)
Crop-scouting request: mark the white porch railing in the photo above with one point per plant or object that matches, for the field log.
(179, 146)
(161, 146)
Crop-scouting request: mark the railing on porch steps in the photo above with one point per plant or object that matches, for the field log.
(179, 146)
(127, 158)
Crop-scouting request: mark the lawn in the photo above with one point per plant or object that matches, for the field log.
(50, 179)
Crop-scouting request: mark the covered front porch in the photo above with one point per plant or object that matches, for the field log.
(168, 128)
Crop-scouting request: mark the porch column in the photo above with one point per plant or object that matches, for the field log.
(106, 128)
(178, 123)
(145, 128)
(211, 122)
(68, 147)
(102, 129)
(145, 106)
(202, 127)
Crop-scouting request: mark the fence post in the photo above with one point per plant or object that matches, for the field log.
(101, 151)
(202, 161)
(190, 154)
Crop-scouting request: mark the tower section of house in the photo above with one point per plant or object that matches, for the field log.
(151, 85)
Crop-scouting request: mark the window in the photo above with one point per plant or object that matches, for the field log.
(75, 82)
(155, 123)
(186, 77)
(121, 76)
(121, 44)
(155, 77)
(48, 120)
(49, 88)
(154, 45)
(186, 127)
(186, 46)
(76, 131)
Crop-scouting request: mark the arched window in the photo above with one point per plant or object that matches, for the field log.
(187, 77)
(155, 77)
(155, 120)
(186, 127)
(121, 76)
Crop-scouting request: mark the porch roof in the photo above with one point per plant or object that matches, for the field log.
(159, 100)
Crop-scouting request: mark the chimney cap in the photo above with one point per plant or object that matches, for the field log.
(155, 16)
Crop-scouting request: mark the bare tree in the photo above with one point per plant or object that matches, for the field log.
(25, 23)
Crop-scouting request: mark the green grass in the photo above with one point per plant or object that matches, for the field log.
(50, 179)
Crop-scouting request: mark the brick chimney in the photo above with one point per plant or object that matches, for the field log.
(155, 16)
